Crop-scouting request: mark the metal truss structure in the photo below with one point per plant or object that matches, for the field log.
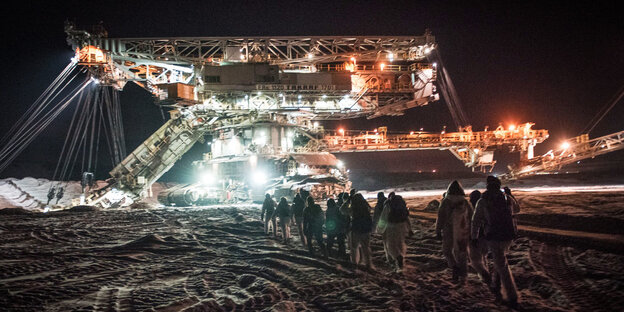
(571, 151)
(474, 149)
(378, 75)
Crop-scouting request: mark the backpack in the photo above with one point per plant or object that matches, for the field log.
(398, 210)
(501, 225)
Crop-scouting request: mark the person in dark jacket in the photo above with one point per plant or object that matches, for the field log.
(453, 226)
(297, 211)
(268, 208)
(313, 225)
(283, 212)
(361, 226)
(493, 214)
(474, 197)
(381, 199)
(478, 250)
(336, 228)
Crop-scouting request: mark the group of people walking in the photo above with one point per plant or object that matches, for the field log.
(346, 221)
(469, 229)
(472, 228)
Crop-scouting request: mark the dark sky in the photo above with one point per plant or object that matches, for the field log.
(555, 64)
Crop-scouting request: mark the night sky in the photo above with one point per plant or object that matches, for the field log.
(553, 64)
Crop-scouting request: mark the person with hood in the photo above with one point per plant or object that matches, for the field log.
(478, 251)
(313, 225)
(394, 225)
(493, 215)
(361, 226)
(453, 226)
(336, 228)
(297, 210)
(268, 209)
(474, 197)
(284, 214)
(381, 200)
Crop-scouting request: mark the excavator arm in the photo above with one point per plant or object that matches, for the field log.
(132, 178)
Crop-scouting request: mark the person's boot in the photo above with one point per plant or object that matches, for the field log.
(399, 261)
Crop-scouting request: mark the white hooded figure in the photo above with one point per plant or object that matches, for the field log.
(453, 224)
(394, 226)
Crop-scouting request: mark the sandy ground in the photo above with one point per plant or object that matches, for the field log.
(570, 257)
(218, 258)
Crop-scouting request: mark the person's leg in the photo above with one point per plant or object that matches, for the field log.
(341, 245)
(319, 240)
(330, 242)
(508, 285)
(274, 221)
(301, 234)
(266, 225)
(447, 250)
(366, 250)
(309, 242)
(282, 225)
(353, 247)
(384, 239)
(477, 260)
(461, 255)
(287, 229)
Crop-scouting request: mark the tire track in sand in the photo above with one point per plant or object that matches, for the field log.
(579, 292)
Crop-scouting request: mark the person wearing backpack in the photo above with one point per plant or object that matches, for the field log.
(493, 215)
(284, 214)
(381, 200)
(453, 226)
(394, 226)
(313, 220)
(336, 228)
(361, 226)
(268, 209)
(297, 211)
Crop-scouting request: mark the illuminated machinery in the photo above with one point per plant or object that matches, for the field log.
(250, 94)
(474, 148)
(570, 151)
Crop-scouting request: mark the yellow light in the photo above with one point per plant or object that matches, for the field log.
(565, 145)
(512, 127)
(341, 131)
(353, 59)
(382, 65)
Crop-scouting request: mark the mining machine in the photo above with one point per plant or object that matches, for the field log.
(260, 99)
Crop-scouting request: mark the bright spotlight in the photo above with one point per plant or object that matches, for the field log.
(340, 164)
(258, 177)
(207, 178)
(565, 145)
(382, 66)
(512, 127)
(310, 55)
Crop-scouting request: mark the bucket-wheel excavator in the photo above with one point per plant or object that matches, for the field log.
(260, 99)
